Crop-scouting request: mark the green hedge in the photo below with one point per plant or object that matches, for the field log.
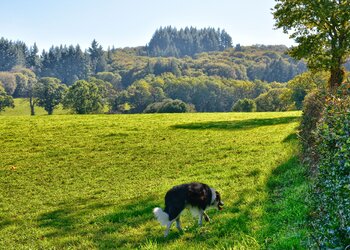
(331, 187)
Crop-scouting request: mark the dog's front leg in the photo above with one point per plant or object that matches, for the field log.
(201, 212)
(206, 217)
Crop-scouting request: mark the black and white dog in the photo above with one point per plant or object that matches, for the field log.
(197, 197)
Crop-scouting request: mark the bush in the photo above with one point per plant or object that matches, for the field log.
(331, 190)
(244, 105)
(313, 106)
(169, 106)
(6, 101)
(278, 99)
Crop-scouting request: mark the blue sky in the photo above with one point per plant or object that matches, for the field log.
(132, 22)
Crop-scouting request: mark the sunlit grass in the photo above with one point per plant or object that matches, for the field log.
(91, 182)
(22, 108)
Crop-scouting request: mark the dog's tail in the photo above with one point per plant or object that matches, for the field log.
(161, 216)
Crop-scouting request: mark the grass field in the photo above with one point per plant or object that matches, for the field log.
(91, 182)
(22, 108)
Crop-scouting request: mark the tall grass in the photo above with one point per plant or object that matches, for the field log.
(91, 182)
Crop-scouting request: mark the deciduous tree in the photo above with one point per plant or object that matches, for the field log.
(321, 30)
(49, 93)
(84, 98)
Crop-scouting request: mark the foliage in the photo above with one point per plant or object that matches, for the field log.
(266, 63)
(49, 93)
(112, 78)
(321, 30)
(5, 100)
(303, 84)
(8, 82)
(97, 58)
(312, 112)
(169, 106)
(244, 105)
(70, 181)
(12, 54)
(84, 98)
(207, 94)
(331, 197)
(27, 81)
(258, 62)
(169, 41)
(105, 89)
(57, 60)
(277, 99)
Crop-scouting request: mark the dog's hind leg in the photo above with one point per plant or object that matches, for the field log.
(178, 224)
(168, 228)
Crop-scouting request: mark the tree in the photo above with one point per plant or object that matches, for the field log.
(84, 98)
(33, 60)
(303, 84)
(322, 32)
(12, 54)
(244, 105)
(97, 57)
(169, 106)
(274, 100)
(28, 81)
(5, 99)
(8, 82)
(49, 93)
(114, 78)
(69, 64)
(105, 89)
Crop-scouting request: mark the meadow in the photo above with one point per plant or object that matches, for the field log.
(91, 181)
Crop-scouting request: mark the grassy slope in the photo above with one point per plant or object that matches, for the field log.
(92, 181)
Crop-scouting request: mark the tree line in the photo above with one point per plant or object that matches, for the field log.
(170, 42)
(68, 63)
(165, 93)
(206, 81)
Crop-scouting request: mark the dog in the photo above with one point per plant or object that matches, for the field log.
(197, 197)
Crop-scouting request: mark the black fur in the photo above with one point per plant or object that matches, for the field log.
(194, 194)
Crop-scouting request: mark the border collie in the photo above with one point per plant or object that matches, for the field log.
(197, 197)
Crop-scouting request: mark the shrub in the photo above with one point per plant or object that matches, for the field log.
(312, 111)
(169, 106)
(6, 101)
(331, 189)
(278, 99)
(244, 105)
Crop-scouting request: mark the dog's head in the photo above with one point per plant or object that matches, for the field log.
(217, 203)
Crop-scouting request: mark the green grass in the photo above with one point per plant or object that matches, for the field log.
(91, 182)
(22, 108)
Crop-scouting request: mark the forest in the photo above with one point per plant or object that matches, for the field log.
(200, 68)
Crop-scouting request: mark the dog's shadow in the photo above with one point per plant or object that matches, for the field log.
(134, 226)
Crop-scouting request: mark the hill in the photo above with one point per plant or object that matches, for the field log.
(259, 62)
(91, 181)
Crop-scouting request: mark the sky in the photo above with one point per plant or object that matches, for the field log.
(131, 23)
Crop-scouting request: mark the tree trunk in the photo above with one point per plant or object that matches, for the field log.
(336, 79)
(31, 103)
